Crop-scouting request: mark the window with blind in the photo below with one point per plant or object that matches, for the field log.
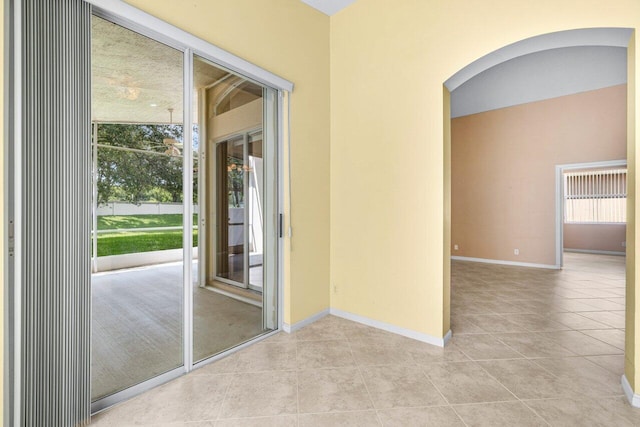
(596, 196)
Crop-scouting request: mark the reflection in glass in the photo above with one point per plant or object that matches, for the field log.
(229, 299)
(137, 285)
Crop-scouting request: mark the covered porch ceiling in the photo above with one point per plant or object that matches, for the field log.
(137, 80)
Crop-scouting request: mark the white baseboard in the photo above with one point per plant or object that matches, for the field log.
(633, 398)
(594, 251)
(447, 337)
(501, 262)
(301, 324)
(429, 339)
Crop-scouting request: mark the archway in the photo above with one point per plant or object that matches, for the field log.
(609, 37)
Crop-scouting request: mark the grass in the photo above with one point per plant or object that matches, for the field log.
(130, 242)
(115, 222)
(144, 241)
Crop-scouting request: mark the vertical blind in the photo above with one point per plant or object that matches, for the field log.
(55, 252)
(596, 196)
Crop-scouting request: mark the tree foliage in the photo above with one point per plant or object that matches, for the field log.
(138, 176)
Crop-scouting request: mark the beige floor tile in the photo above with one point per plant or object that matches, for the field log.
(601, 304)
(196, 424)
(588, 378)
(466, 382)
(621, 408)
(324, 354)
(496, 323)
(420, 417)
(464, 325)
(280, 421)
(614, 337)
(424, 354)
(535, 322)
(268, 356)
(400, 386)
(530, 344)
(323, 329)
(568, 304)
(504, 414)
(618, 300)
(614, 363)
(576, 321)
(375, 352)
(340, 419)
(225, 365)
(528, 380)
(581, 344)
(372, 335)
(608, 318)
(261, 394)
(578, 413)
(190, 398)
(570, 293)
(600, 293)
(483, 347)
(332, 390)
(280, 337)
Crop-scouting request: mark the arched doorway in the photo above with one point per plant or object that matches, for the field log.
(600, 37)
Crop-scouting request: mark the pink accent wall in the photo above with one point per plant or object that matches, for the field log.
(503, 170)
(595, 237)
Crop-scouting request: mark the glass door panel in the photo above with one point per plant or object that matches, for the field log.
(229, 297)
(137, 281)
(254, 204)
(230, 201)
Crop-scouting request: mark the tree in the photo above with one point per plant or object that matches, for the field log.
(137, 176)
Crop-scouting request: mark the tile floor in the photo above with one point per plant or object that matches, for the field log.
(530, 348)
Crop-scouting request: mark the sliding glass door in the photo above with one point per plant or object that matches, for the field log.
(185, 211)
(230, 297)
(137, 281)
(239, 192)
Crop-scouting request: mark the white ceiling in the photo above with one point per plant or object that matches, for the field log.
(541, 75)
(328, 7)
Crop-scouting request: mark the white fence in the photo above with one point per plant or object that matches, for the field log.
(119, 208)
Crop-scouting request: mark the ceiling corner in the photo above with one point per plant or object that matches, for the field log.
(328, 7)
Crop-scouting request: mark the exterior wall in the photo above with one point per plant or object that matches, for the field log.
(290, 39)
(503, 170)
(595, 237)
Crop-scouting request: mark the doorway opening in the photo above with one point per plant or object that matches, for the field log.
(591, 208)
(501, 307)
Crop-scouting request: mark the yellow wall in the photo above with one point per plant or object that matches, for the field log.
(388, 64)
(291, 40)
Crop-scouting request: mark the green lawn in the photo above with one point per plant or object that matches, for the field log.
(118, 243)
(133, 242)
(114, 222)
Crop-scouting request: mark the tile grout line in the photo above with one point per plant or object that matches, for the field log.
(423, 369)
(506, 388)
(226, 392)
(358, 367)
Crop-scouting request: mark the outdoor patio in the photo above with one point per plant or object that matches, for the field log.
(138, 321)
